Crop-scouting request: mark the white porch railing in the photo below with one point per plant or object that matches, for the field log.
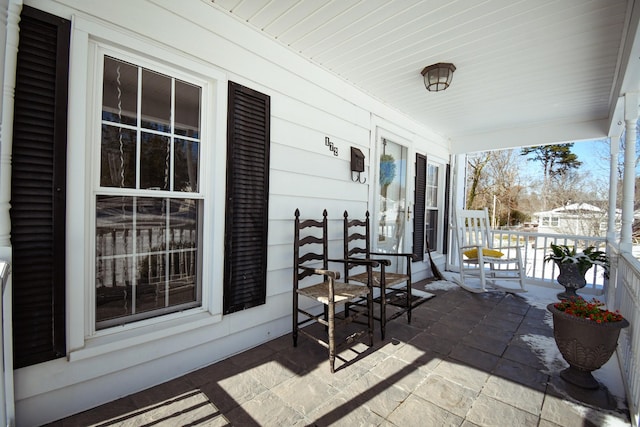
(625, 296)
(537, 245)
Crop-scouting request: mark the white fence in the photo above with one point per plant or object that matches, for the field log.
(536, 246)
(625, 296)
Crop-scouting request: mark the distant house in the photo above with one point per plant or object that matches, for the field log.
(576, 218)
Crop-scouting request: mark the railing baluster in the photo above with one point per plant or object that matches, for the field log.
(626, 299)
(537, 245)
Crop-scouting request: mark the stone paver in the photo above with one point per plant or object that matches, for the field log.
(418, 412)
(487, 411)
(448, 395)
(316, 393)
(460, 373)
(514, 394)
(465, 360)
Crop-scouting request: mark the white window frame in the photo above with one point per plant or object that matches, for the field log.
(103, 51)
(85, 85)
(434, 244)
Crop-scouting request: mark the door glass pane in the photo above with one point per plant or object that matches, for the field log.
(392, 197)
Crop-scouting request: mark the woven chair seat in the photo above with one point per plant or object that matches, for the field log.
(390, 278)
(343, 292)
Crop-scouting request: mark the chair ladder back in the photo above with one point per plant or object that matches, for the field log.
(317, 249)
(355, 239)
(392, 288)
(473, 228)
(310, 250)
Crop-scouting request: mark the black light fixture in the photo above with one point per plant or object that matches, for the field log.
(438, 76)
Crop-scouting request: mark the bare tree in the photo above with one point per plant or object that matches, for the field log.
(475, 165)
(494, 182)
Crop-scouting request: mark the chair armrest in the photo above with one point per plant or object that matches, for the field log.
(332, 274)
(381, 261)
(359, 261)
(407, 255)
(510, 247)
(471, 247)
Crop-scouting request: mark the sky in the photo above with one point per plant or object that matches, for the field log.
(592, 154)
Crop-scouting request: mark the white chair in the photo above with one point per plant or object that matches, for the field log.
(479, 258)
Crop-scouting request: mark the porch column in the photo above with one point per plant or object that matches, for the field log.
(614, 149)
(9, 19)
(458, 201)
(629, 177)
(10, 16)
(459, 197)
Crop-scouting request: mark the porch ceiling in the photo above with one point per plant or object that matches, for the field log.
(528, 72)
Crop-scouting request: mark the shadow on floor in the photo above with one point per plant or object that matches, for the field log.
(466, 359)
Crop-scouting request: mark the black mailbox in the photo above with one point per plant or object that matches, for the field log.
(357, 165)
(357, 160)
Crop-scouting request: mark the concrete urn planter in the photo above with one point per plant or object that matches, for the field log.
(585, 344)
(571, 278)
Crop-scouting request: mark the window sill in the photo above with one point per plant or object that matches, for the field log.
(116, 341)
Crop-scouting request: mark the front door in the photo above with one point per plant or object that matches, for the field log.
(392, 198)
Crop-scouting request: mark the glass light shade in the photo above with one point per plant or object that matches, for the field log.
(438, 76)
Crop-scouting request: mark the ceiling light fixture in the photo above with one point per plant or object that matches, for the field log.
(438, 76)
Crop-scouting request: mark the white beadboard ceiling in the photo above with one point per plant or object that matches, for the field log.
(551, 68)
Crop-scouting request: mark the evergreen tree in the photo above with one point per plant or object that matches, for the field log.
(557, 159)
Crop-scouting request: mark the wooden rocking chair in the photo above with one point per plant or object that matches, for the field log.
(476, 252)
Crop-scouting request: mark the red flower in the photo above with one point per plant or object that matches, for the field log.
(591, 311)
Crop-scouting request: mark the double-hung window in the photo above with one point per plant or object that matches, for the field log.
(431, 205)
(430, 193)
(148, 199)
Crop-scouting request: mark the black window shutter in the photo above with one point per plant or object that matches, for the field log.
(38, 188)
(248, 138)
(419, 207)
(447, 196)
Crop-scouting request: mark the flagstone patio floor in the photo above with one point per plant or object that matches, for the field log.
(465, 360)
